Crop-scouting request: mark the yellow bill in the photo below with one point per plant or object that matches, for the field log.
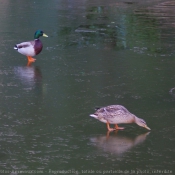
(45, 35)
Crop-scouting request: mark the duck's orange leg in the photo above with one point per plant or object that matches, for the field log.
(118, 128)
(30, 59)
(109, 128)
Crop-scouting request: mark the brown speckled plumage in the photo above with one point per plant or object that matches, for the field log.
(117, 114)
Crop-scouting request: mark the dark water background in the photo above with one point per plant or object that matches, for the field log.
(98, 53)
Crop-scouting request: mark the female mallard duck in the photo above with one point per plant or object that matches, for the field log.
(31, 48)
(116, 114)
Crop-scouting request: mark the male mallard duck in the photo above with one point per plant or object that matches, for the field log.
(116, 114)
(31, 48)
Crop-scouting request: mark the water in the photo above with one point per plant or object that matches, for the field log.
(98, 53)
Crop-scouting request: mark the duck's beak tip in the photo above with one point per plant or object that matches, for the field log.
(147, 128)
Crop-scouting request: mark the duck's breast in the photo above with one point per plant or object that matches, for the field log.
(38, 46)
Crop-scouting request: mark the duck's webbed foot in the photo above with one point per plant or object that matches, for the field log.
(30, 59)
(118, 128)
(109, 128)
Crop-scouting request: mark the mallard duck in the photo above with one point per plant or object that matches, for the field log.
(117, 114)
(31, 48)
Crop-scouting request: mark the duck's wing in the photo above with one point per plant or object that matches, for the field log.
(117, 112)
(25, 45)
(26, 48)
(113, 109)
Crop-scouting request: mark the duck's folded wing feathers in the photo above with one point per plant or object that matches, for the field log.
(24, 45)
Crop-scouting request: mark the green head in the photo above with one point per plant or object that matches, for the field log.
(39, 33)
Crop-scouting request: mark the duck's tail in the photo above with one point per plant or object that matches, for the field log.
(93, 115)
(16, 48)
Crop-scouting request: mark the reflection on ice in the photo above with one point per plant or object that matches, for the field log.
(117, 144)
(28, 75)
